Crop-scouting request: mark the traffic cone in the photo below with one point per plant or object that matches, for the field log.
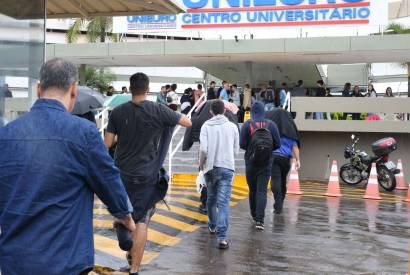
(401, 185)
(333, 188)
(294, 184)
(408, 195)
(372, 190)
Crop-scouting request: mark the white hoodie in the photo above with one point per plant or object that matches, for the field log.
(219, 141)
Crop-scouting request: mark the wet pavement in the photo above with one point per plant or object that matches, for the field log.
(313, 235)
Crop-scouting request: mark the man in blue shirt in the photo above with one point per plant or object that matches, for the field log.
(51, 165)
(224, 95)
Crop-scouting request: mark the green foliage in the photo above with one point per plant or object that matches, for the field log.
(99, 78)
(395, 28)
(98, 30)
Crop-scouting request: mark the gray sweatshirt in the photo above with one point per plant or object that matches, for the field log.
(219, 141)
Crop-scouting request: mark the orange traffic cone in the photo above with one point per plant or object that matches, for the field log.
(372, 190)
(293, 184)
(408, 195)
(401, 185)
(333, 189)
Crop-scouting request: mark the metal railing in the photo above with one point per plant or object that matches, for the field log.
(386, 109)
(171, 152)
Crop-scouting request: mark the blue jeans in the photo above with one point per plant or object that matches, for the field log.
(318, 116)
(219, 185)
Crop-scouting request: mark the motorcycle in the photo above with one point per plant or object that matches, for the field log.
(358, 169)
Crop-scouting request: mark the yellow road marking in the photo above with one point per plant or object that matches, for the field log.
(193, 203)
(184, 212)
(241, 192)
(153, 235)
(182, 226)
(197, 195)
(101, 211)
(111, 247)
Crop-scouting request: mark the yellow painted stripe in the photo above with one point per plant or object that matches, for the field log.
(193, 203)
(111, 247)
(182, 226)
(184, 212)
(100, 269)
(241, 192)
(197, 195)
(192, 184)
(101, 211)
(153, 235)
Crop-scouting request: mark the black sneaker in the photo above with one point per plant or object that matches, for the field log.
(223, 244)
(277, 211)
(202, 209)
(212, 231)
(259, 226)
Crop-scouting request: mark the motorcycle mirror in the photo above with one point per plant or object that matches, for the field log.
(353, 136)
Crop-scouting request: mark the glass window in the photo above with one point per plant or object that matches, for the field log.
(22, 40)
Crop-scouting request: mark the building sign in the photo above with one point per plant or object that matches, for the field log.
(210, 14)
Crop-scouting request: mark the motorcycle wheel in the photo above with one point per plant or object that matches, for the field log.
(386, 178)
(350, 174)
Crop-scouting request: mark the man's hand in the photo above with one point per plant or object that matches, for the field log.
(128, 222)
(297, 164)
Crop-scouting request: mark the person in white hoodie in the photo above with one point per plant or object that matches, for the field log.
(219, 141)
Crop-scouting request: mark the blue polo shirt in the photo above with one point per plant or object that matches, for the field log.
(51, 165)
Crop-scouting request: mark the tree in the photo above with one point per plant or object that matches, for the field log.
(98, 78)
(97, 29)
(394, 28)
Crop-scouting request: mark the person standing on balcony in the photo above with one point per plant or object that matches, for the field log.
(371, 92)
(356, 93)
(258, 174)
(140, 126)
(51, 165)
(320, 92)
(219, 143)
(389, 92)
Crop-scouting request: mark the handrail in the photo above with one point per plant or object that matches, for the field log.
(287, 102)
(171, 153)
(103, 114)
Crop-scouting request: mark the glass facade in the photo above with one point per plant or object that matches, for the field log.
(22, 45)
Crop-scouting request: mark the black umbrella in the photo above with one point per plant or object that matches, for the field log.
(87, 100)
(284, 121)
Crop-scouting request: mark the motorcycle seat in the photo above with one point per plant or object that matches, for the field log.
(368, 159)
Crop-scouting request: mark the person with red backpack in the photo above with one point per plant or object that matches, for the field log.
(259, 137)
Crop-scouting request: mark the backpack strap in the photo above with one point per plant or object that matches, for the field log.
(256, 125)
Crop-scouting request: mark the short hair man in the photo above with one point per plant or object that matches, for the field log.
(139, 125)
(124, 90)
(219, 142)
(51, 165)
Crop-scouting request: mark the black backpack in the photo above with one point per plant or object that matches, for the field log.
(261, 145)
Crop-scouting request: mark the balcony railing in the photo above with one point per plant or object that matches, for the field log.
(387, 109)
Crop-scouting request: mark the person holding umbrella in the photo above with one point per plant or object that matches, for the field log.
(290, 144)
(87, 101)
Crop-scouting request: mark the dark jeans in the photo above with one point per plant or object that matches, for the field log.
(280, 170)
(257, 178)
